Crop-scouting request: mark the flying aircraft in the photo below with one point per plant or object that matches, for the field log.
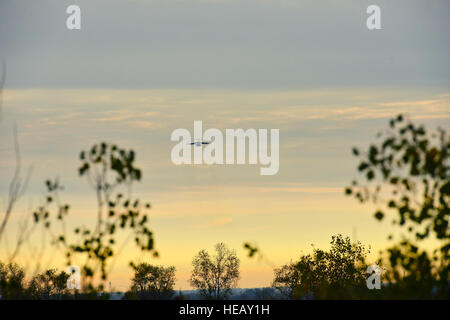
(199, 143)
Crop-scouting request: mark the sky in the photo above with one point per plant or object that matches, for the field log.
(137, 70)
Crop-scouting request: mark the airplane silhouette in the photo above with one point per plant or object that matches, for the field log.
(199, 143)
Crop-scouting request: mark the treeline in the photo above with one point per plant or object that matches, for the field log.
(49, 284)
(341, 272)
(338, 273)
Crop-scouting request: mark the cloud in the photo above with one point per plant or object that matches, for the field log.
(254, 44)
(249, 108)
(214, 223)
(252, 189)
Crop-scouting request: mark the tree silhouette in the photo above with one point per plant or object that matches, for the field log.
(153, 282)
(107, 169)
(17, 184)
(408, 172)
(215, 276)
(12, 284)
(338, 272)
(287, 280)
(49, 284)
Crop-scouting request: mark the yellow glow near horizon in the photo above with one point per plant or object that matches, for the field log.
(196, 207)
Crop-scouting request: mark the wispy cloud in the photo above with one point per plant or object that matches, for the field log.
(213, 224)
